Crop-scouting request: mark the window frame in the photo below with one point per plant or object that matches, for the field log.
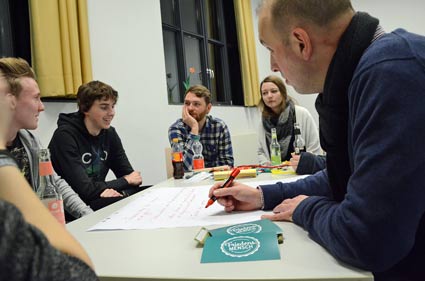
(231, 87)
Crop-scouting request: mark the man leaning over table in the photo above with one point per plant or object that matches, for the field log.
(196, 121)
(367, 207)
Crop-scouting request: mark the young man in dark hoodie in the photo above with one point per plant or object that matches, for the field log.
(85, 147)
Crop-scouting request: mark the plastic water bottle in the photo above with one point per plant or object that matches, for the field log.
(198, 158)
(47, 191)
(275, 155)
(177, 159)
(299, 143)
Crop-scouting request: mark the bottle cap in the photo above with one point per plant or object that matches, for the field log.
(196, 137)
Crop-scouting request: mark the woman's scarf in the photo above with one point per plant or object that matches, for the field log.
(284, 125)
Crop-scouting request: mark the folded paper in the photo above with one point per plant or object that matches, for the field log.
(256, 240)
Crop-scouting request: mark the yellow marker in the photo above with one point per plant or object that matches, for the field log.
(245, 173)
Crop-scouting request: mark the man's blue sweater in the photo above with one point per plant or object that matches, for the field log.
(380, 224)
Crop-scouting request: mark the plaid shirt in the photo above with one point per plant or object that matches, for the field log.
(215, 138)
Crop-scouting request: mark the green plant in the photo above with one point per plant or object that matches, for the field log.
(186, 83)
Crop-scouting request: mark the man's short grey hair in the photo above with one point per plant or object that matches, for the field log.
(317, 12)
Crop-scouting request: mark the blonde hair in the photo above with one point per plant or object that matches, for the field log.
(12, 70)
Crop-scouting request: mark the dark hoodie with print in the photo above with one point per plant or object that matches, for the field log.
(84, 160)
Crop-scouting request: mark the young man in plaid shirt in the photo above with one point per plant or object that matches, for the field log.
(213, 132)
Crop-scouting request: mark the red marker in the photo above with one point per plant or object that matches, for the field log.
(227, 183)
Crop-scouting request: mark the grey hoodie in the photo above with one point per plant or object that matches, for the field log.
(72, 202)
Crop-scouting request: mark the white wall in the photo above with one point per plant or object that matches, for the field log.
(127, 52)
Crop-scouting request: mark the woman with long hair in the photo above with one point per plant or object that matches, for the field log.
(279, 111)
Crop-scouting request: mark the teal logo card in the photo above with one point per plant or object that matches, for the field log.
(247, 228)
(251, 241)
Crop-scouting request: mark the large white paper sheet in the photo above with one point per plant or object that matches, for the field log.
(175, 207)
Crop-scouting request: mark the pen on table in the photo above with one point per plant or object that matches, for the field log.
(227, 183)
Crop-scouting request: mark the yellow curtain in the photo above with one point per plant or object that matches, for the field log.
(60, 46)
(247, 52)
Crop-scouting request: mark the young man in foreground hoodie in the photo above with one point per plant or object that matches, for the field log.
(17, 80)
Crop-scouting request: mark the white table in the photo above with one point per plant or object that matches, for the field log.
(171, 254)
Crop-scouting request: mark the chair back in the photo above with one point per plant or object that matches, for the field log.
(245, 148)
(168, 162)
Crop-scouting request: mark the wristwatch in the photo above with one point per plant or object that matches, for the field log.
(6, 159)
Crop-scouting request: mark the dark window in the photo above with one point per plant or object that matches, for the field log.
(200, 46)
(14, 29)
